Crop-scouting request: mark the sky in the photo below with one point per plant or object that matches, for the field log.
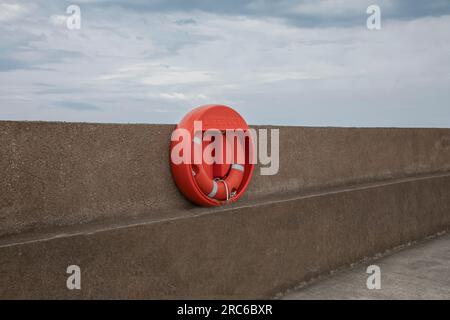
(280, 62)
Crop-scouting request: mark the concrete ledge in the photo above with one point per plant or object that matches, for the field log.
(244, 252)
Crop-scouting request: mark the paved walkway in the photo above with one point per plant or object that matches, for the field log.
(418, 272)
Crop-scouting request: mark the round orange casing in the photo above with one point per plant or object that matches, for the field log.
(218, 117)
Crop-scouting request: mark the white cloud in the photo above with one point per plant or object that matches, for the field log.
(10, 11)
(176, 78)
(158, 75)
(58, 20)
(177, 96)
(337, 7)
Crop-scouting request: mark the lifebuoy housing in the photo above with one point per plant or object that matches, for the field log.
(215, 183)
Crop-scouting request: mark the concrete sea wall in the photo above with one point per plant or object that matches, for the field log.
(101, 196)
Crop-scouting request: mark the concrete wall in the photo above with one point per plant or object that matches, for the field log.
(57, 174)
(102, 195)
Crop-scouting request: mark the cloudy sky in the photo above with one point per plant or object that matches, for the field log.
(306, 62)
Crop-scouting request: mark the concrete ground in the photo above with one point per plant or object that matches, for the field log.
(417, 272)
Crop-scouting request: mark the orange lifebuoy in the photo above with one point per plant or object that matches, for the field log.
(223, 188)
(213, 184)
(220, 189)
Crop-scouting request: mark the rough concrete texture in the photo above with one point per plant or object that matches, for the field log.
(101, 196)
(251, 251)
(419, 272)
(60, 174)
